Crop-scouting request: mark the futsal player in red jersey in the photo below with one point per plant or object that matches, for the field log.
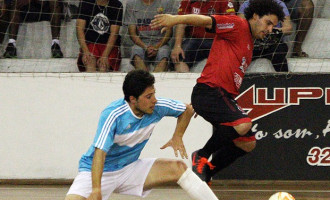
(213, 96)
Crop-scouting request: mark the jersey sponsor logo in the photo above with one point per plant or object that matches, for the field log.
(238, 80)
(145, 21)
(144, 25)
(100, 23)
(160, 10)
(196, 10)
(256, 103)
(230, 10)
(225, 26)
(244, 65)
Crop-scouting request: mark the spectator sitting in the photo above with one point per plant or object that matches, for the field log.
(198, 46)
(273, 47)
(16, 8)
(150, 45)
(98, 27)
(301, 12)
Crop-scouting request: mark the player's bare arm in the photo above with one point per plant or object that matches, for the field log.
(176, 141)
(177, 49)
(80, 26)
(134, 36)
(168, 21)
(103, 62)
(97, 171)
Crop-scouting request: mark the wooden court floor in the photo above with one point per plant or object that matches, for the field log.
(225, 190)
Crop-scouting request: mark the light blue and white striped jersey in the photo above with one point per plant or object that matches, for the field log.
(123, 135)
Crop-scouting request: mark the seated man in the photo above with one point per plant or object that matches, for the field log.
(150, 45)
(273, 47)
(15, 9)
(301, 12)
(196, 48)
(98, 27)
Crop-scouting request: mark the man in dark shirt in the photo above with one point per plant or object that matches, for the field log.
(98, 27)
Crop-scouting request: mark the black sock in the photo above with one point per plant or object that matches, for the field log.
(225, 156)
(220, 136)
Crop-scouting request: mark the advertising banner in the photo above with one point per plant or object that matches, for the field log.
(291, 119)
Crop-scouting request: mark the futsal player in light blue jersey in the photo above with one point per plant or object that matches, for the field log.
(112, 162)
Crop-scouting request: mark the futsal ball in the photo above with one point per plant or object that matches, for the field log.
(281, 196)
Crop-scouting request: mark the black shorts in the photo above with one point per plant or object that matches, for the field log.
(217, 106)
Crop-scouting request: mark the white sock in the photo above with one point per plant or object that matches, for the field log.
(55, 41)
(12, 41)
(195, 187)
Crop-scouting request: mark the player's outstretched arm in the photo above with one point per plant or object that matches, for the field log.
(97, 171)
(182, 123)
(168, 20)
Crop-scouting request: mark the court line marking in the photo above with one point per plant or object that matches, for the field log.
(296, 191)
(216, 190)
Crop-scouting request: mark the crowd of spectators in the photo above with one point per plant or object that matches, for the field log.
(99, 21)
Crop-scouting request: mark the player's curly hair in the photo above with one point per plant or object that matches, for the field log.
(136, 82)
(264, 7)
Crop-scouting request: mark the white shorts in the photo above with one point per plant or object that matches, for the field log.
(129, 180)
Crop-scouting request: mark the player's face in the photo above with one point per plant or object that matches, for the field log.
(264, 25)
(145, 103)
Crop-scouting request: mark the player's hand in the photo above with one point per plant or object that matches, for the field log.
(87, 57)
(166, 21)
(175, 54)
(177, 144)
(103, 63)
(151, 51)
(95, 196)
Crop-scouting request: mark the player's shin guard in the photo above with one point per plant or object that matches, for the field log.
(195, 187)
(225, 156)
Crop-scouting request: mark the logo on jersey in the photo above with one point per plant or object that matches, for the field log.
(128, 127)
(225, 26)
(196, 10)
(211, 11)
(160, 10)
(244, 65)
(100, 23)
(238, 80)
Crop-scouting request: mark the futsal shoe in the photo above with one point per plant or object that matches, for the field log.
(10, 51)
(201, 166)
(56, 51)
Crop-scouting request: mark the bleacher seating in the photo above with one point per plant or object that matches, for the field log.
(34, 52)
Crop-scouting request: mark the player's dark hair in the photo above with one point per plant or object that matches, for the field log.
(136, 82)
(264, 7)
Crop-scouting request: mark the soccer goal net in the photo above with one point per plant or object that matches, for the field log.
(40, 36)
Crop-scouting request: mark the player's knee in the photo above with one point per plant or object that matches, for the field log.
(246, 146)
(243, 129)
(178, 168)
